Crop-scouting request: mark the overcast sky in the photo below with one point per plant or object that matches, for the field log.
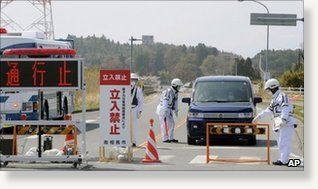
(222, 24)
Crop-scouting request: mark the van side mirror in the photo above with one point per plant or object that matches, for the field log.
(186, 100)
(257, 100)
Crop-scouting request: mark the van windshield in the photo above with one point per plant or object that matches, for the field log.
(222, 91)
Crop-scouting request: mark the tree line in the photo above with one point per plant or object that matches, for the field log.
(185, 62)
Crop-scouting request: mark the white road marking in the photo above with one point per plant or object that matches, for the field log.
(251, 158)
(165, 157)
(201, 159)
(91, 120)
(296, 156)
(219, 147)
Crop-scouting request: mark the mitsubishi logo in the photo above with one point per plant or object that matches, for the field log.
(220, 115)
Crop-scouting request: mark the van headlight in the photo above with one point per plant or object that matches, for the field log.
(246, 115)
(195, 115)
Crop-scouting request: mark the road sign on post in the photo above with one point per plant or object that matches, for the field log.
(115, 108)
(274, 19)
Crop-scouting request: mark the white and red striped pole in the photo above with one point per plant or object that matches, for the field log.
(151, 150)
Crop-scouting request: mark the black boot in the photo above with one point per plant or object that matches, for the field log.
(279, 163)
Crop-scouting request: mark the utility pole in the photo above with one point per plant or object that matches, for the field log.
(236, 62)
(132, 39)
(131, 51)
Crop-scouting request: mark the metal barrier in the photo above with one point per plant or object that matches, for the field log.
(66, 127)
(247, 128)
(44, 129)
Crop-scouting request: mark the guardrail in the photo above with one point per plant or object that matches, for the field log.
(245, 128)
(293, 90)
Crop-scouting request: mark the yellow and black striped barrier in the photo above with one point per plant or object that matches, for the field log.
(33, 130)
(228, 129)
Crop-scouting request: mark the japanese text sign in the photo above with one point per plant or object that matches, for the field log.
(40, 73)
(115, 107)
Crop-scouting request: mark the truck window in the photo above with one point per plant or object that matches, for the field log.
(222, 91)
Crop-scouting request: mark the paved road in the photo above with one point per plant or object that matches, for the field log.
(174, 156)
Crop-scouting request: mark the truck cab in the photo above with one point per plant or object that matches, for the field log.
(220, 99)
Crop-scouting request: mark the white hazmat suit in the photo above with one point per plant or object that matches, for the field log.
(137, 101)
(168, 104)
(281, 110)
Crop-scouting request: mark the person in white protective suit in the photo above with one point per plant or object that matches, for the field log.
(169, 104)
(137, 101)
(284, 126)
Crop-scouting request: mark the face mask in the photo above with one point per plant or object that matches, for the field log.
(133, 84)
(176, 88)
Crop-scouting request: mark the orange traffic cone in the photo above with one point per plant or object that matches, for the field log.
(69, 147)
(151, 151)
(69, 143)
(69, 138)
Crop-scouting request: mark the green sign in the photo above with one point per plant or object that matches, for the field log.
(274, 19)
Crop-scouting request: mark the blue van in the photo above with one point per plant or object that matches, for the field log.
(226, 99)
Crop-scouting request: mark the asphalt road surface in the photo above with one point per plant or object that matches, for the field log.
(174, 156)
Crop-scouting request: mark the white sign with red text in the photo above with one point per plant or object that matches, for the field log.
(115, 107)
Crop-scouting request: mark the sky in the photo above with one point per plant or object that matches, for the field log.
(221, 24)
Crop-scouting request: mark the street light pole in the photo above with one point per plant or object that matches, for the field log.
(236, 67)
(267, 45)
(131, 51)
(132, 39)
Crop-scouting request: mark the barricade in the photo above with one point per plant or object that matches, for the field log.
(232, 128)
(39, 128)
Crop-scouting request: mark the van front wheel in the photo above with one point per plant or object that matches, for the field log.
(191, 141)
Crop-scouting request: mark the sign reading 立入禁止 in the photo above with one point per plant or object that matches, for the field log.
(115, 107)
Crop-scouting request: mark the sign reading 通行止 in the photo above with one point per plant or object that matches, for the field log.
(17, 74)
(115, 107)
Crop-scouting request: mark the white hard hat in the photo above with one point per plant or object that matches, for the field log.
(271, 84)
(133, 76)
(176, 82)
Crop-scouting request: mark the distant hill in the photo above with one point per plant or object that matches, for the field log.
(169, 61)
(279, 61)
